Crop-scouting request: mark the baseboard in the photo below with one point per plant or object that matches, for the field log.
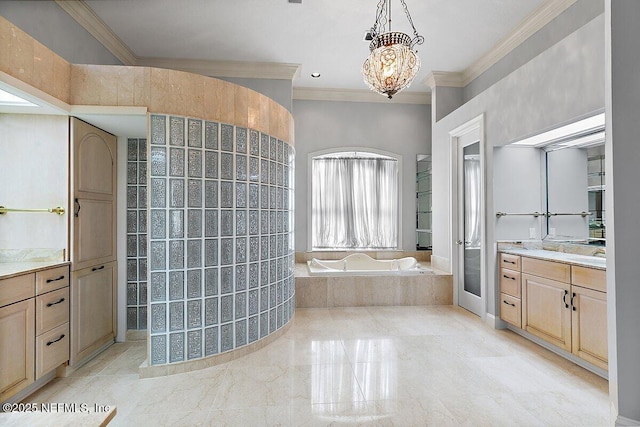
(136, 335)
(626, 422)
(495, 322)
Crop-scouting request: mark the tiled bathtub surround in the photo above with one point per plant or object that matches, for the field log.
(136, 234)
(221, 258)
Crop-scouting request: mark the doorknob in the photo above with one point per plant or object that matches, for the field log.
(459, 242)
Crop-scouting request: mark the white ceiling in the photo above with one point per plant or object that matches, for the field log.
(323, 36)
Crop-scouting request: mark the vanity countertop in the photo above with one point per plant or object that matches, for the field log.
(11, 269)
(563, 257)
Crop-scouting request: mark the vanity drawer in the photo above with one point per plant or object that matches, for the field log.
(16, 289)
(512, 262)
(510, 282)
(547, 269)
(52, 309)
(52, 349)
(52, 279)
(591, 278)
(511, 310)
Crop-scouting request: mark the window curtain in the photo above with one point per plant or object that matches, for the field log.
(472, 200)
(354, 203)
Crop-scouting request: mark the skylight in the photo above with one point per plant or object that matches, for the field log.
(583, 127)
(10, 100)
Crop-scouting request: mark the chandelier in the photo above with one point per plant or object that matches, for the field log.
(392, 64)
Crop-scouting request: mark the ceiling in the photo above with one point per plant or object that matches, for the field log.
(322, 36)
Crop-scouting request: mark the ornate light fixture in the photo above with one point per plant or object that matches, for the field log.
(392, 63)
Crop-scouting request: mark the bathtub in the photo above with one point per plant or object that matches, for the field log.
(363, 265)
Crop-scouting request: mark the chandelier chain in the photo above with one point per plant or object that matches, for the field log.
(380, 25)
(418, 39)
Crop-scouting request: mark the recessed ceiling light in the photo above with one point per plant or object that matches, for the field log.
(8, 99)
(315, 75)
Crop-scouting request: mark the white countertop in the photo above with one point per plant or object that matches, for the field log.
(563, 257)
(10, 269)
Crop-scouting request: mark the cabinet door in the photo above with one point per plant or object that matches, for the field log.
(93, 303)
(94, 195)
(546, 310)
(589, 340)
(17, 347)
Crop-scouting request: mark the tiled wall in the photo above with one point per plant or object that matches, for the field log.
(221, 257)
(137, 234)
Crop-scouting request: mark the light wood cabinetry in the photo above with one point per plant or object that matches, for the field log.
(589, 324)
(16, 347)
(510, 289)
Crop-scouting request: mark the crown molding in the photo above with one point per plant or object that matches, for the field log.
(88, 19)
(527, 27)
(238, 69)
(357, 95)
(444, 78)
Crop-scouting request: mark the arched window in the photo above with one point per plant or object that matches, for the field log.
(354, 201)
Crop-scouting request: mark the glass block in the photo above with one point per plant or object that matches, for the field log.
(254, 222)
(142, 149)
(158, 318)
(194, 344)
(273, 271)
(132, 295)
(176, 193)
(211, 341)
(132, 318)
(211, 164)
(158, 224)
(226, 166)
(254, 142)
(194, 253)
(176, 162)
(280, 245)
(226, 194)
(210, 252)
(158, 161)
(272, 148)
(241, 167)
(142, 197)
(241, 305)
(210, 223)
(226, 223)
(254, 275)
(241, 140)
(132, 221)
(254, 249)
(279, 151)
(158, 129)
(226, 339)
(226, 137)
(241, 277)
(264, 324)
(195, 133)
(142, 318)
(211, 194)
(264, 273)
(158, 193)
(279, 222)
(210, 311)
(280, 198)
(241, 223)
(142, 293)
(132, 149)
(272, 173)
(254, 196)
(195, 163)
(241, 332)
(142, 269)
(158, 255)
(176, 347)
(264, 171)
(158, 350)
(241, 195)
(132, 197)
(176, 254)
(132, 246)
(254, 169)
(272, 320)
(226, 249)
(272, 198)
(253, 302)
(142, 245)
(280, 316)
(226, 280)
(226, 308)
(264, 247)
(285, 222)
(279, 175)
(195, 193)
(285, 176)
(272, 223)
(272, 295)
(210, 282)
(176, 285)
(211, 135)
(264, 197)
(142, 221)
(194, 314)
(176, 224)
(176, 131)
(279, 293)
(176, 316)
(264, 145)
(194, 283)
(253, 329)
(194, 223)
(132, 173)
(158, 286)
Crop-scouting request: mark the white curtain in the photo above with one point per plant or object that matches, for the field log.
(472, 200)
(354, 203)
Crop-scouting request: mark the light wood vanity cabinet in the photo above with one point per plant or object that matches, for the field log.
(510, 289)
(17, 347)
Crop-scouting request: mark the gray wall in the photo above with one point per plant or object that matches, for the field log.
(398, 128)
(538, 96)
(566, 23)
(46, 22)
(279, 90)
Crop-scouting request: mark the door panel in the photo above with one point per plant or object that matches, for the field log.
(589, 340)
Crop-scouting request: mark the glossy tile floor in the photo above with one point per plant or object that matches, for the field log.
(434, 365)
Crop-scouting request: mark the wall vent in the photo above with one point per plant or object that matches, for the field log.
(295, 1)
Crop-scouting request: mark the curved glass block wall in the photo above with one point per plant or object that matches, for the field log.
(220, 231)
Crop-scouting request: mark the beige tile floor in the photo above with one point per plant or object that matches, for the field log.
(404, 366)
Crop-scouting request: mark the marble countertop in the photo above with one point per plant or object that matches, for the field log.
(11, 269)
(563, 257)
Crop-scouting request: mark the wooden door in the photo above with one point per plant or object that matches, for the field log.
(589, 329)
(547, 313)
(17, 347)
(93, 304)
(93, 232)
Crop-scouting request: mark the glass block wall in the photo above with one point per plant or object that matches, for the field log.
(221, 253)
(136, 234)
